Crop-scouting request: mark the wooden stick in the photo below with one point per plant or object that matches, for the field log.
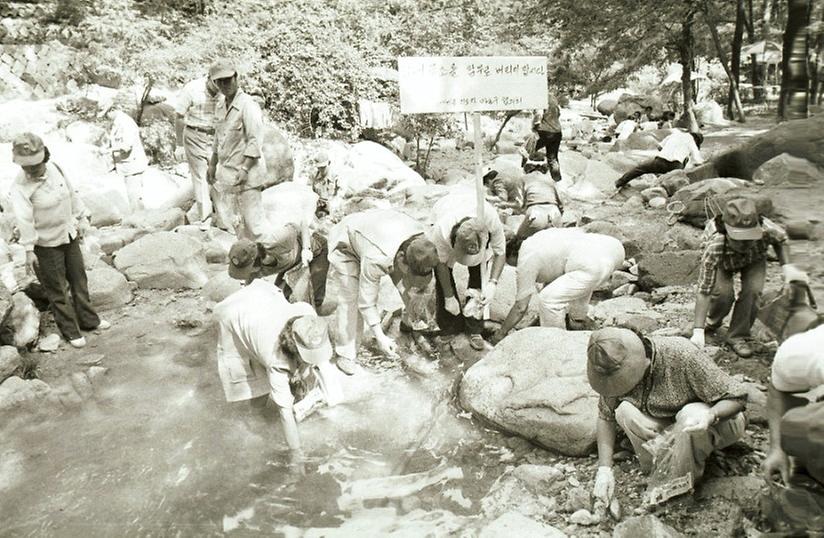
(479, 186)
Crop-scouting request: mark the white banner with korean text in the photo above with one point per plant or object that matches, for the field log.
(436, 84)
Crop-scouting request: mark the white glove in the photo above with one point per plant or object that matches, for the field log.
(387, 345)
(452, 306)
(793, 274)
(488, 295)
(698, 338)
(604, 489)
(180, 154)
(699, 423)
(306, 257)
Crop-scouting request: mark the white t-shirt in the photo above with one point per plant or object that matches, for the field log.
(452, 209)
(678, 146)
(799, 362)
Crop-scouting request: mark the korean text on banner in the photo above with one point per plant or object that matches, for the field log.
(472, 83)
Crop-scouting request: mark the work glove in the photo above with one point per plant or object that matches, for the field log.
(180, 154)
(793, 274)
(306, 257)
(83, 227)
(699, 422)
(698, 338)
(777, 462)
(489, 294)
(452, 305)
(604, 489)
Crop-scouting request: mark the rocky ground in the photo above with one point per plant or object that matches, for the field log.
(133, 429)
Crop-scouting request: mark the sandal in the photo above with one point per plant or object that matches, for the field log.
(477, 342)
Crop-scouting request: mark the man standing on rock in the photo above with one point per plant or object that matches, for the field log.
(674, 152)
(569, 264)
(363, 248)
(126, 147)
(668, 397)
(739, 246)
(266, 345)
(460, 237)
(298, 258)
(237, 169)
(548, 126)
(195, 131)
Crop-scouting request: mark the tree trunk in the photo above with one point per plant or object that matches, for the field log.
(685, 49)
(794, 101)
(735, 63)
(509, 115)
(722, 56)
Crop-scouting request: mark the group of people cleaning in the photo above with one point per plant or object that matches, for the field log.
(275, 340)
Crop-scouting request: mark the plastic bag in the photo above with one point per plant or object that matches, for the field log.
(672, 466)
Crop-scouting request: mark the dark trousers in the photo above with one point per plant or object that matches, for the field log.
(318, 269)
(746, 304)
(552, 142)
(61, 272)
(449, 323)
(655, 166)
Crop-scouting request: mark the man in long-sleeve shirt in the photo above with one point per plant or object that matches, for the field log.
(674, 152)
(363, 248)
(237, 168)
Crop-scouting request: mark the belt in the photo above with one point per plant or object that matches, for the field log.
(206, 130)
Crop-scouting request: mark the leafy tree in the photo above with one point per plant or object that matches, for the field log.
(425, 128)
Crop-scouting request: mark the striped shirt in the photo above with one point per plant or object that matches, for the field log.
(716, 254)
(196, 105)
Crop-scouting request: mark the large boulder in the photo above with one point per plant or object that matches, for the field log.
(669, 269)
(85, 132)
(628, 104)
(277, 153)
(786, 170)
(581, 174)
(649, 526)
(164, 260)
(289, 203)
(606, 106)
(220, 286)
(718, 190)
(16, 392)
(710, 113)
(108, 288)
(534, 384)
(640, 140)
(163, 191)
(369, 164)
(21, 325)
(10, 361)
(155, 220)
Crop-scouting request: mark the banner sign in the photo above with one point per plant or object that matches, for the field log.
(438, 84)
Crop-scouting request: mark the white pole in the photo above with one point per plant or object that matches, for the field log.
(479, 188)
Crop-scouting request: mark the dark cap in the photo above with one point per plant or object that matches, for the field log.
(222, 69)
(242, 257)
(741, 220)
(28, 149)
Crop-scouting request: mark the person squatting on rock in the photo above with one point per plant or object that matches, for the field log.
(659, 386)
(195, 132)
(461, 238)
(547, 124)
(237, 170)
(301, 271)
(739, 245)
(324, 183)
(126, 148)
(798, 368)
(569, 264)
(363, 248)
(533, 195)
(674, 153)
(51, 219)
(265, 346)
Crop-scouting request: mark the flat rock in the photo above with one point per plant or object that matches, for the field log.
(156, 220)
(108, 288)
(113, 239)
(10, 361)
(648, 526)
(16, 392)
(742, 490)
(669, 269)
(220, 286)
(658, 202)
(164, 260)
(534, 384)
(49, 343)
(515, 524)
(608, 312)
(510, 493)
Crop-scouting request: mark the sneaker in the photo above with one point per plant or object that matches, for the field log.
(741, 348)
(346, 365)
(78, 342)
(103, 325)
(477, 342)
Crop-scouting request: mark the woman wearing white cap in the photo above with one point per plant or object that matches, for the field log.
(51, 219)
(264, 343)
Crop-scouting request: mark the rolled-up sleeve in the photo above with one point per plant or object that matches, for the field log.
(253, 127)
(710, 261)
(23, 211)
(695, 154)
(497, 239)
(442, 246)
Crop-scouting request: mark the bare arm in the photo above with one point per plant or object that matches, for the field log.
(725, 409)
(179, 125)
(605, 438)
(516, 314)
(290, 427)
(702, 307)
(498, 262)
(442, 274)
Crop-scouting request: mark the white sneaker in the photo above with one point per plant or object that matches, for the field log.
(103, 325)
(78, 342)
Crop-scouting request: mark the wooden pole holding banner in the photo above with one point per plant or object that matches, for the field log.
(479, 191)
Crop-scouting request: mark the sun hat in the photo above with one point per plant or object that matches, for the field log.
(222, 69)
(312, 339)
(28, 150)
(616, 361)
(741, 220)
(242, 256)
(321, 158)
(468, 231)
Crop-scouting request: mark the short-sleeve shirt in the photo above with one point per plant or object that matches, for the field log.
(451, 210)
(679, 374)
(798, 365)
(125, 137)
(680, 146)
(239, 134)
(716, 254)
(550, 253)
(196, 105)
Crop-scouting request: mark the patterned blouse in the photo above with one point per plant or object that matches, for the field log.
(679, 374)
